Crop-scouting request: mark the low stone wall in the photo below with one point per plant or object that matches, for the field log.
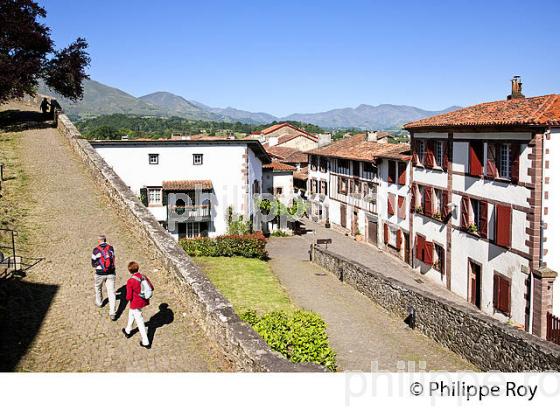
(482, 340)
(239, 342)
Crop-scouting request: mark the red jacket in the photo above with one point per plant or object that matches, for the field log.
(133, 290)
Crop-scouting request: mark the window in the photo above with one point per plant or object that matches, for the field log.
(153, 159)
(369, 171)
(356, 168)
(504, 165)
(256, 187)
(323, 164)
(324, 187)
(440, 258)
(474, 216)
(502, 293)
(420, 151)
(278, 191)
(438, 214)
(342, 185)
(391, 172)
(313, 162)
(424, 250)
(197, 159)
(438, 153)
(402, 173)
(343, 166)
(371, 195)
(154, 196)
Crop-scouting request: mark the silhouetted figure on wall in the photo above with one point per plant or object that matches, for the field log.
(45, 108)
(55, 107)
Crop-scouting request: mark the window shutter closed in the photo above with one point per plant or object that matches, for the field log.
(391, 172)
(483, 228)
(444, 202)
(503, 225)
(402, 173)
(401, 212)
(515, 163)
(419, 247)
(502, 294)
(475, 158)
(399, 239)
(429, 154)
(391, 204)
(491, 169)
(445, 161)
(428, 210)
(465, 212)
(385, 233)
(428, 253)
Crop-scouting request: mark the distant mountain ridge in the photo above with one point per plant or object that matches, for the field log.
(101, 99)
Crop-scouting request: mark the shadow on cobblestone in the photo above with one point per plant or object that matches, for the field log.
(17, 120)
(23, 307)
(163, 317)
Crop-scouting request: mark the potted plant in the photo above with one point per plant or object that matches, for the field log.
(419, 210)
(437, 216)
(473, 228)
(358, 235)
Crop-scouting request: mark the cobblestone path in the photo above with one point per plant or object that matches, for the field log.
(67, 214)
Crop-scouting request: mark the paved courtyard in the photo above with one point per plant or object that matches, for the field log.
(361, 332)
(66, 213)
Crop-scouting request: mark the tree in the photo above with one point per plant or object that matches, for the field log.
(27, 54)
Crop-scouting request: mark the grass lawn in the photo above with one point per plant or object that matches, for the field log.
(246, 283)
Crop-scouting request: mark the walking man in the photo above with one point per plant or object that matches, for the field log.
(103, 260)
(137, 295)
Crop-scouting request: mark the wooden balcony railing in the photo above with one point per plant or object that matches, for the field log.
(552, 328)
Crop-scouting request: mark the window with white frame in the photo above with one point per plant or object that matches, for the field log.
(153, 159)
(504, 163)
(438, 148)
(154, 196)
(421, 151)
(393, 236)
(197, 159)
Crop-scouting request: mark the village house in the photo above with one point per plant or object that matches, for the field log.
(484, 212)
(213, 174)
(360, 184)
(278, 181)
(286, 135)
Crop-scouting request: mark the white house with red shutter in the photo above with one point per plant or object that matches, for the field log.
(360, 185)
(481, 195)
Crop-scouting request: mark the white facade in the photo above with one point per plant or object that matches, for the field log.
(279, 184)
(233, 167)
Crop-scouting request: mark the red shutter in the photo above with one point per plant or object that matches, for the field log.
(503, 225)
(429, 162)
(428, 253)
(391, 172)
(401, 212)
(415, 152)
(445, 161)
(515, 163)
(465, 212)
(385, 233)
(413, 198)
(402, 173)
(491, 169)
(391, 204)
(419, 247)
(483, 228)
(428, 210)
(502, 294)
(444, 201)
(399, 239)
(496, 291)
(475, 158)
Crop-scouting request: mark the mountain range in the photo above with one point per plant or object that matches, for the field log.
(101, 99)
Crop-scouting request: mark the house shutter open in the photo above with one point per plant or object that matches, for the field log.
(483, 228)
(445, 160)
(475, 158)
(399, 239)
(401, 211)
(391, 204)
(412, 198)
(465, 212)
(391, 172)
(429, 154)
(144, 196)
(386, 233)
(419, 247)
(428, 209)
(428, 253)
(515, 163)
(443, 206)
(496, 291)
(503, 225)
(402, 173)
(415, 152)
(491, 169)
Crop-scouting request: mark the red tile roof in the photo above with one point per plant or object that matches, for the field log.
(358, 148)
(277, 127)
(187, 185)
(302, 174)
(279, 166)
(286, 154)
(534, 111)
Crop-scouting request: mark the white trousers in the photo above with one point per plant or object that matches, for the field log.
(136, 315)
(109, 281)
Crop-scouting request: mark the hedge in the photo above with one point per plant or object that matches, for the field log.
(299, 335)
(247, 246)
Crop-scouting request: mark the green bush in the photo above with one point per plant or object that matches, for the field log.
(247, 246)
(300, 335)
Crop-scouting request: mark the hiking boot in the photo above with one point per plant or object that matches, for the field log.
(146, 346)
(113, 317)
(127, 335)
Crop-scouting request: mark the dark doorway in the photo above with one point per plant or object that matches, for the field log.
(182, 230)
(406, 238)
(372, 232)
(475, 284)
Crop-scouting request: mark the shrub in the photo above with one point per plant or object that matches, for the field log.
(300, 335)
(247, 246)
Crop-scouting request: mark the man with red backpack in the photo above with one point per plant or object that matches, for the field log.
(103, 260)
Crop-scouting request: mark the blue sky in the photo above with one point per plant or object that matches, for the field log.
(308, 56)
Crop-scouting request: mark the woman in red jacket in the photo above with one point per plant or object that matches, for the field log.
(133, 289)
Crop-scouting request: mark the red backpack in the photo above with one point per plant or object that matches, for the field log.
(106, 258)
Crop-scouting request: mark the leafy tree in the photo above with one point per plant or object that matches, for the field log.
(27, 54)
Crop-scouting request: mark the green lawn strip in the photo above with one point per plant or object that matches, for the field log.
(246, 283)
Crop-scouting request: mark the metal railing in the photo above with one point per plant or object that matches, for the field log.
(552, 328)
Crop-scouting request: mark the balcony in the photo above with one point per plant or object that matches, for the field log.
(199, 213)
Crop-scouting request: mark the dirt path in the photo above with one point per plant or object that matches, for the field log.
(364, 335)
(68, 212)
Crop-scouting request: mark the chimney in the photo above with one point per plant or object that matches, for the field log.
(324, 139)
(371, 136)
(272, 141)
(516, 88)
